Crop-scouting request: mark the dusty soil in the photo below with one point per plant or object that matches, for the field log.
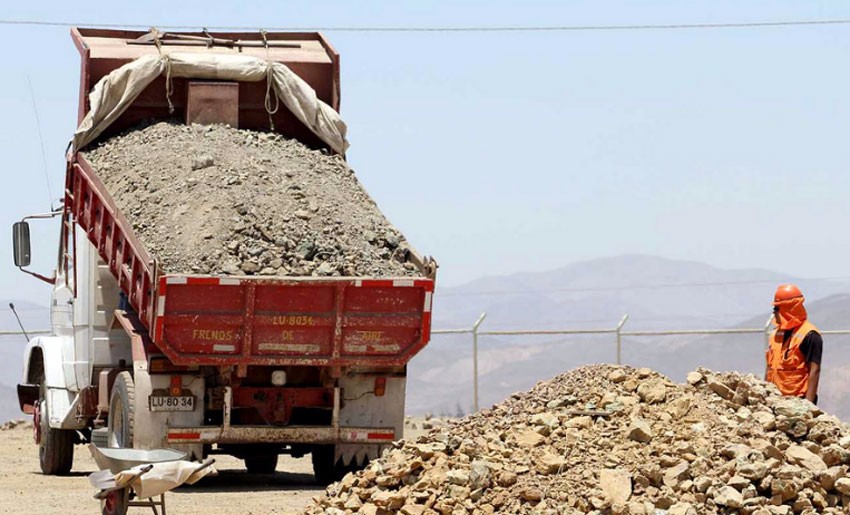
(24, 490)
(217, 200)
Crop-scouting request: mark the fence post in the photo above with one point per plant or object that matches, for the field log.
(767, 332)
(475, 361)
(620, 338)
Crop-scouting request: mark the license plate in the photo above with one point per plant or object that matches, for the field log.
(167, 403)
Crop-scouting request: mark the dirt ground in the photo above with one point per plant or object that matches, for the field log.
(24, 490)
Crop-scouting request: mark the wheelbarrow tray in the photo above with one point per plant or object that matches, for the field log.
(118, 459)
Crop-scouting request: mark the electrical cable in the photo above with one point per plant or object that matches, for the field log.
(527, 28)
(41, 142)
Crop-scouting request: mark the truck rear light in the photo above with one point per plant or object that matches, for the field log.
(279, 377)
(176, 386)
(380, 386)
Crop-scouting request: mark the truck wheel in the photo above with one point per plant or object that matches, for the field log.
(122, 404)
(325, 468)
(261, 463)
(55, 446)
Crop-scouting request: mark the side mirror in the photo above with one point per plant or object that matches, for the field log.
(21, 243)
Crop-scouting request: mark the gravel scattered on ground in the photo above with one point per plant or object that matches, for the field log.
(232, 492)
(604, 439)
(216, 200)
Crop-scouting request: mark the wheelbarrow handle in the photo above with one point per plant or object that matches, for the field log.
(204, 464)
(105, 492)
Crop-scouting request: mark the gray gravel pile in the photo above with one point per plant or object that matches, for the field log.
(616, 440)
(217, 200)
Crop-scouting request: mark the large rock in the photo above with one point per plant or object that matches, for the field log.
(616, 485)
(694, 378)
(551, 463)
(545, 419)
(388, 499)
(721, 390)
(531, 494)
(752, 470)
(617, 375)
(829, 477)
(793, 407)
(784, 489)
(457, 477)
(682, 508)
(479, 474)
(728, 497)
(805, 458)
(639, 431)
(652, 392)
(529, 438)
(675, 474)
(842, 485)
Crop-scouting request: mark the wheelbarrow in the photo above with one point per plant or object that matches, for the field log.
(140, 477)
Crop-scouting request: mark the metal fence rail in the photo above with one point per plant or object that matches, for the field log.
(618, 331)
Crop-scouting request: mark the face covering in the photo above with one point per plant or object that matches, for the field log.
(791, 313)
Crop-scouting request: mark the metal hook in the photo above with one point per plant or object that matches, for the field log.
(210, 40)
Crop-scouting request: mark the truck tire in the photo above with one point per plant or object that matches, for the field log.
(326, 468)
(122, 403)
(55, 446)
(100, 437)
(261, 463)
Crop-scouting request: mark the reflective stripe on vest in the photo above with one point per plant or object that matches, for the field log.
(786, 365)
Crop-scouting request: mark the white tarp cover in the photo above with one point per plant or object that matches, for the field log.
(114, 93)
(161, 478)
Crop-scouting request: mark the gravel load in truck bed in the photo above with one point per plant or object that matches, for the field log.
(217, 200)
(616, 440)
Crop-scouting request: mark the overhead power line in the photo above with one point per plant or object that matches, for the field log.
(497, 28)
(41, 142)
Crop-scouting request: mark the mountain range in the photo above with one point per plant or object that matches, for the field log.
(657, 294)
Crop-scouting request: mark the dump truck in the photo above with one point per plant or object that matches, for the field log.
(250, 366)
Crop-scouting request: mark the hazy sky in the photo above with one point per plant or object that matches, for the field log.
(506, 152)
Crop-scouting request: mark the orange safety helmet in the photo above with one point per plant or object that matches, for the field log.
(788, 307)
(786, 292)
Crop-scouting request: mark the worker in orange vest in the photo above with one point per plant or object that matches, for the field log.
(796, 347)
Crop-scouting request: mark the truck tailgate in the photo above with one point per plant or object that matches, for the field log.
(292, 321)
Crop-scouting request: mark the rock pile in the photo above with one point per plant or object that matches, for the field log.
(14, 424)
(217, 200)
(604, 439)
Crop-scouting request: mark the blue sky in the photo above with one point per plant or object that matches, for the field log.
(507, 152)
